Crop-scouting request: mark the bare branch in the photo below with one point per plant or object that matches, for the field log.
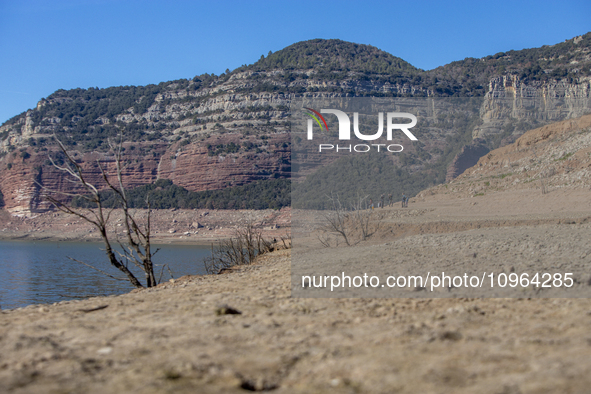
(96, 269)
(161, 273)
(353, 226)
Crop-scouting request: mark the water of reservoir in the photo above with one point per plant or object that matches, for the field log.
(41, 272)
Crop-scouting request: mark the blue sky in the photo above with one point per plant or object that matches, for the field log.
(65, 44)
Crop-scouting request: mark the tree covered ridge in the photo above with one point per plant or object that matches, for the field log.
(85, 111)
(332, 55)
(566, 60)
(164, 194)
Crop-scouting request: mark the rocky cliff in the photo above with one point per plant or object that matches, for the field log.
(207, 165)
(512, 104)
(217, 131)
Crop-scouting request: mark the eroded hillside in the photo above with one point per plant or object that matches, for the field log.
(556, 156)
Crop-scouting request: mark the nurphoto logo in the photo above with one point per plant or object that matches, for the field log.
(345, 130)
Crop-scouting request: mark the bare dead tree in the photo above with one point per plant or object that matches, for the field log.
(136, 246)
(336, 218)
(367, 220)
(351, 225)
(286, 241)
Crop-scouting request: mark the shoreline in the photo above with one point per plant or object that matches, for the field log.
(26, 237)
(168, 226)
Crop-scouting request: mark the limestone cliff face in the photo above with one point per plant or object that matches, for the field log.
(510, 108)
(226, 114)
(513, 106)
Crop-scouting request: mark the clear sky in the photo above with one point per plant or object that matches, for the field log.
(65, 44)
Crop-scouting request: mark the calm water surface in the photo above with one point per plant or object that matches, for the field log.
(40, 272)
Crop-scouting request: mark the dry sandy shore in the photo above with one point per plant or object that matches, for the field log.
(174, 339)
(168, 226)
(520, 233)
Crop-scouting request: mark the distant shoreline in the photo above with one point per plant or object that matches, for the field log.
(28, 237)
(178, 227)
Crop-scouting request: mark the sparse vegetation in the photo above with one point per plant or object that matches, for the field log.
(241, 249)
(503, 176)
(566, 156)
(372, 175)
(353, 223)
